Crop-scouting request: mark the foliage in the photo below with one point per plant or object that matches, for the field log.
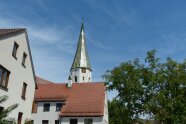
(153, 88)
(4, 114)
(119, 112)
(28, 121)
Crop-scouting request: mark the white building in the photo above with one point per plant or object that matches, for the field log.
(79, 101)
(17, 78)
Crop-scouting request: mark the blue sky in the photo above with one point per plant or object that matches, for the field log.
(116, 31)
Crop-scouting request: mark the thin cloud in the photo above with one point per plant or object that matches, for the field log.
(42, 33)
(46, 64)
(172, 44)
(99, 45)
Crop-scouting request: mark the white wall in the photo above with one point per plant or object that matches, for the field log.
(18, 75)
(96, 120)
(77, 72)
(105, 117)
(51, 115)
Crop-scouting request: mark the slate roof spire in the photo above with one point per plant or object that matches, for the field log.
(81, 59)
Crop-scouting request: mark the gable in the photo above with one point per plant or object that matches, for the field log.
(9, 36)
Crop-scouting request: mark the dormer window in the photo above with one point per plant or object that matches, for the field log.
(24, 59)
(15, 48)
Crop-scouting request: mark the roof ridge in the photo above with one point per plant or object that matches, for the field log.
(44, 80)
(11, 28)
(9, 31)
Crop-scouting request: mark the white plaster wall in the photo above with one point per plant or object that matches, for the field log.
(77, 72)
(18, 75)
(96, 120)
(105, 117)
(52, 115)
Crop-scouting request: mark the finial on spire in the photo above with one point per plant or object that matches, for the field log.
(82, 19)
(82, 25)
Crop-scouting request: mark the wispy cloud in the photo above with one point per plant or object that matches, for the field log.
(100, 45)
(46, 64)
(172, 44)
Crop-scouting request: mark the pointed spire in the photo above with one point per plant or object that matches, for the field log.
(81, 59)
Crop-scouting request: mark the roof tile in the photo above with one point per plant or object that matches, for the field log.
(82, 99)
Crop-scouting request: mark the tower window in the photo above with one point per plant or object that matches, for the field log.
(83, 70)
(83, 78)
(15, 48)
(75, 78)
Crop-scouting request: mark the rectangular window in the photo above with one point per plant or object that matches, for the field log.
(88, 121)
(73, 121)
(44, 121)
(83, 70)
(24, 59)
(46, 107)
(58, 106)
(34, 107)
(4, 76)
(57, 122)
(24, 90)
(20, 114)
(15, 48)
(32, 122)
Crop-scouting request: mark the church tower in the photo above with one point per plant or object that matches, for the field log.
(81, 68)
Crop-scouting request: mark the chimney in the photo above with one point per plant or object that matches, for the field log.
(69, 85)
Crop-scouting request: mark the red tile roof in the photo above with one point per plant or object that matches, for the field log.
(4, 32)
(82, 99)
(42, 81)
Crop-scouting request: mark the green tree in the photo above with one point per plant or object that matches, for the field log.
(153, 88)
(117, 114)
(28, 121)
(4, 114)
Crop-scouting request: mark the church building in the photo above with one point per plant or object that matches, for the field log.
(78, 101)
